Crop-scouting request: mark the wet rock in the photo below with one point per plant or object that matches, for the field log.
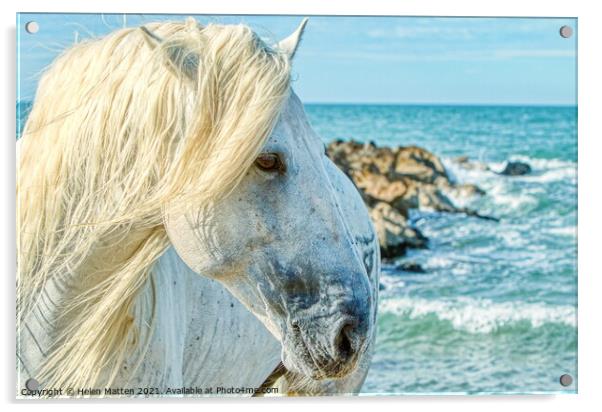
(378, 188)
(393, 180)
(420, 165)
(395, 235)
(466, 190)
(411, 267)
(516, 169)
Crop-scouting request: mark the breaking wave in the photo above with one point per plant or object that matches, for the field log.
(480, 315)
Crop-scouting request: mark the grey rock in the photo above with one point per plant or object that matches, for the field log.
(516, 169)
(411, 267)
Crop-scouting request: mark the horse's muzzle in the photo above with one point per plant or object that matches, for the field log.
(329, 347)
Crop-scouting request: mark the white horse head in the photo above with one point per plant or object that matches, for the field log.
(295, 245)
(224, 166)
(293, 242)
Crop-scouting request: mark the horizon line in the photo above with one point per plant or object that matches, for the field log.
(534, 104)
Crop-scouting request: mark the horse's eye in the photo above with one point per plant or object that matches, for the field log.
(270, 162)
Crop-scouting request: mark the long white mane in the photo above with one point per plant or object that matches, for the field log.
(118, 130)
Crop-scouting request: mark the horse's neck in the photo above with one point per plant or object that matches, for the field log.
(35, 332)
(192, 332)
(202, 335)
(224, 344)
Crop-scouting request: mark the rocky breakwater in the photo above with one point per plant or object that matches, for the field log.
(393, 180)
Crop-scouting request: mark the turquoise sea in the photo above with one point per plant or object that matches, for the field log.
(496, 310)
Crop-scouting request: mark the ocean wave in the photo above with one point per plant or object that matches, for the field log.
(503, 196)
(449, 264)
(544, 170)
(569, 231)
(480, 315)
(544, 164)
(390, 282)
(513, 238)
(503, 191)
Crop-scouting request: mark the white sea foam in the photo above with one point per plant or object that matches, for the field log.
(513, 238)
(480, 315)
(502, 191)
(463, 175)
(570, 231)
(544, 164)
(437, 262)
(544, 170)
(390, 282)
(503, 197)
(449, 264)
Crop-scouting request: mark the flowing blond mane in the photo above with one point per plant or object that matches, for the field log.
(118, 130)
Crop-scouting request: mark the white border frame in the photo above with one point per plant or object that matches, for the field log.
(590, 137)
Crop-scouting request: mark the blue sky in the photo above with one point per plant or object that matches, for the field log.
(373, 59)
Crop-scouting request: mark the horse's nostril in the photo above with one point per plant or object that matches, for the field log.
(342, 343)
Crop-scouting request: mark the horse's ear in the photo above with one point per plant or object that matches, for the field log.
(151, 39)
(291, 43)
(178, 59)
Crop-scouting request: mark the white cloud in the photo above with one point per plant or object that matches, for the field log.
(422, 31)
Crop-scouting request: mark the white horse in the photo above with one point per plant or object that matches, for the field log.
(181, 227)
